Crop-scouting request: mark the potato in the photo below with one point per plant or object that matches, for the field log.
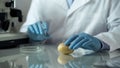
(62, 48)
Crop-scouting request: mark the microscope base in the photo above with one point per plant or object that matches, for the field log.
(9, 40)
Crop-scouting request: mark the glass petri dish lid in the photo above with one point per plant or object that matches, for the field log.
(31, 48)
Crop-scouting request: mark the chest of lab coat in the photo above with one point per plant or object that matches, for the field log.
(99, 18)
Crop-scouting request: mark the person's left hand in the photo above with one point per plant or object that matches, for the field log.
(85, 41)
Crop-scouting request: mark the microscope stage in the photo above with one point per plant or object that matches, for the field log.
(11, 36)
(8, 40)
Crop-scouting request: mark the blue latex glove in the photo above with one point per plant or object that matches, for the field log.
(38, 31)
(83, 40)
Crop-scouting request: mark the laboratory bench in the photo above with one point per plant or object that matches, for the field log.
(37, 55)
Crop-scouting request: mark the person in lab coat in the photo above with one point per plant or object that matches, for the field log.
(87, 24)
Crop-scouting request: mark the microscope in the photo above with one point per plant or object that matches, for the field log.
(8, 34)
(8, 12)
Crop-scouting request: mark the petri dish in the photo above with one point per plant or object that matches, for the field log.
(31, 48)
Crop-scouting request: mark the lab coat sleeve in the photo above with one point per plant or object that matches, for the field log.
(34, 15)
(112, 37)
(104, 46)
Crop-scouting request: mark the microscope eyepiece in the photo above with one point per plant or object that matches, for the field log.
(16, 13)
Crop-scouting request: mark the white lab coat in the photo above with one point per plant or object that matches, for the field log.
(100, 18)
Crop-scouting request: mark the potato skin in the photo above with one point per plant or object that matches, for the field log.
(62, 48)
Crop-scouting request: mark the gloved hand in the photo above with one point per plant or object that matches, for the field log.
(85, 41)
(38, 31)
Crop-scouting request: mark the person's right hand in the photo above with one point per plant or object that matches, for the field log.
(38, 31)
